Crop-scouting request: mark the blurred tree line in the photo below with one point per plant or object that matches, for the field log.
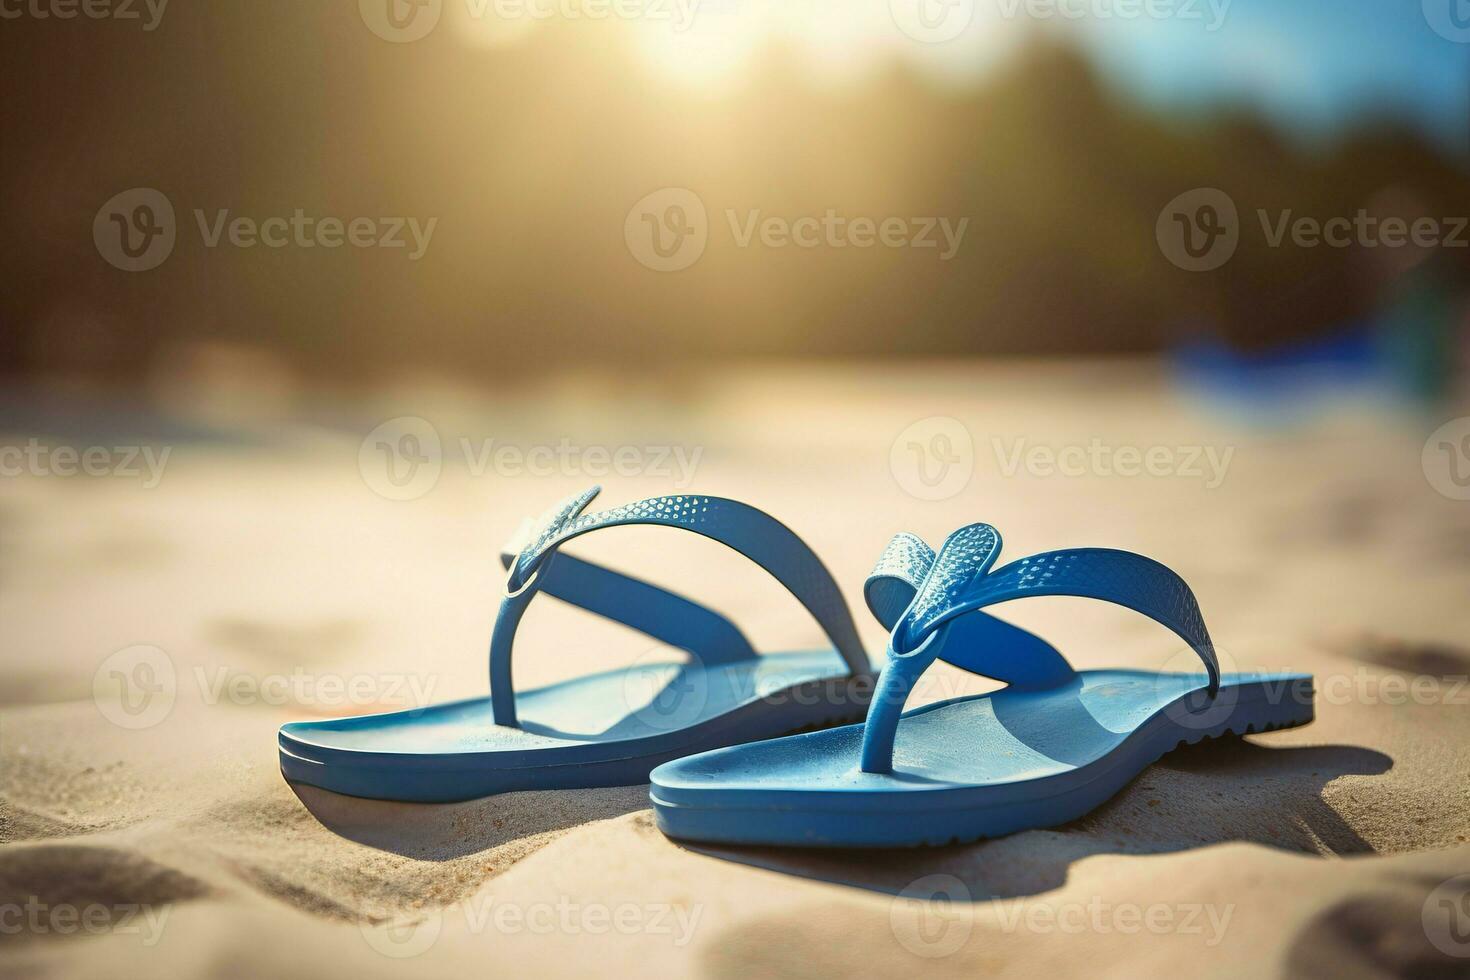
(530, 157)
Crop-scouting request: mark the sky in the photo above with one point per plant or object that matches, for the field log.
(1311, 65)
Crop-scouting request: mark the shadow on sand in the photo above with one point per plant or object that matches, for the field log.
(1215, 792)
(444, 831)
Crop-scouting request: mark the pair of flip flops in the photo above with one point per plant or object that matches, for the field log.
(1049, 747)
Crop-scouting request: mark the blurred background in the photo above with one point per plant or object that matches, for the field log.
(523, 135)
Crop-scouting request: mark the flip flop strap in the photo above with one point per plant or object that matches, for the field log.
(960, 582)
(980, 643)
(763, 539)
(666, 616)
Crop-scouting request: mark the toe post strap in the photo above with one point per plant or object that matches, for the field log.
(979, 643)
(932, 606)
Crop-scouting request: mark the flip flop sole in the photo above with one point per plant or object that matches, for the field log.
(608, 729)
(968, 768)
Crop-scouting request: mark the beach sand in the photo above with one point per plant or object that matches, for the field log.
(278, 584)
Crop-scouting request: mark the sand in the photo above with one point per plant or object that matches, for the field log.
(265, 568)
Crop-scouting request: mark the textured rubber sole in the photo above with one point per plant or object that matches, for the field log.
(441, 786)
(962, 814)
(1250, 729)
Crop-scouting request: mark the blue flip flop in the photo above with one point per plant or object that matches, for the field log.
(610, 728)
(1048, 748)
